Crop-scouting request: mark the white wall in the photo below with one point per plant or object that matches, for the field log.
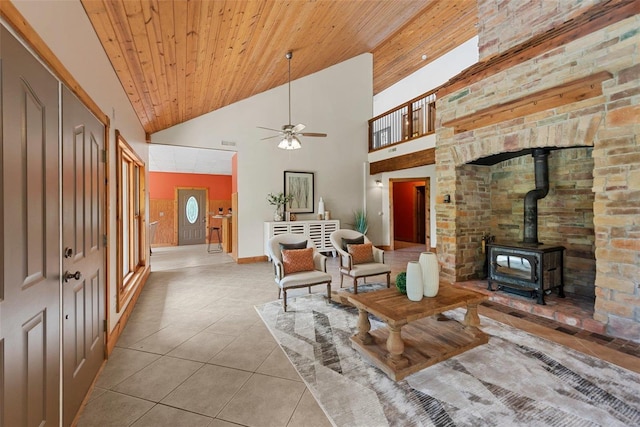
(337, 101)
(67, 31)
(427, 78)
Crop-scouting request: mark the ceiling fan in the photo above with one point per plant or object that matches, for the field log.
(289, 133)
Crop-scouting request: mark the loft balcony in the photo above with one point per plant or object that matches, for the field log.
(406, 122)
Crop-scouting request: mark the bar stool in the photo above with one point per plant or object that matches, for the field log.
(217, 231)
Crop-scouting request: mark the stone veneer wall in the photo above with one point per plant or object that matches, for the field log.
(565, 215)
(609, 123)
(506, 23)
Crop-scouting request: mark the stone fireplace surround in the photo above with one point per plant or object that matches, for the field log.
(605, 125)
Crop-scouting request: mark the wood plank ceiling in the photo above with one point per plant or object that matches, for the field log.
(179, 59)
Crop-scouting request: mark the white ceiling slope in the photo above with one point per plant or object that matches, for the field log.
(169, 158)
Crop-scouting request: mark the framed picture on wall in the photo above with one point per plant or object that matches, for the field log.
(299, 186)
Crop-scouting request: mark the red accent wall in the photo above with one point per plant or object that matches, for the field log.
(404, 210)
(162, 184)
(162, 203)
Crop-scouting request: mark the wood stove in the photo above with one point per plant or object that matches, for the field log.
(526, 269)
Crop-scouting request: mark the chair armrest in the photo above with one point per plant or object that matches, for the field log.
(320, 262)
(278, 268)
(346, 261)
(345, 257)
(378, 255)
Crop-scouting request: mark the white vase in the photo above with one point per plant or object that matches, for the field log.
(430, 273)
(321, 207)
(415, 287)
(277, 214)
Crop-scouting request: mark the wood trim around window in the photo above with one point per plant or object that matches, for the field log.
(126, 284)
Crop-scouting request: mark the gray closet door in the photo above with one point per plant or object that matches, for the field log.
(30, 260)
(83, 263)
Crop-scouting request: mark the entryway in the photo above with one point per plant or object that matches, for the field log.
(410, 217)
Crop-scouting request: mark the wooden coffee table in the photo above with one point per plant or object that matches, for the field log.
(414, 337)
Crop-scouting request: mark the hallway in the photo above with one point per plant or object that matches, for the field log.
(195, 352)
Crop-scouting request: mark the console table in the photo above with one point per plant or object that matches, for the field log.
(414, 339)
(318, 231)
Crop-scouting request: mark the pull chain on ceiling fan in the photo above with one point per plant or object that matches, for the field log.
(289, 132)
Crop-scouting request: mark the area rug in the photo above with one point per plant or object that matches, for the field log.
(517, 379)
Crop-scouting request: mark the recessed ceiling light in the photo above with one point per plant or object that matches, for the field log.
(424, 57)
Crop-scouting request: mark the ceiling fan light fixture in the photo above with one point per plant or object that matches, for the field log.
(290, 132)
(290, 142)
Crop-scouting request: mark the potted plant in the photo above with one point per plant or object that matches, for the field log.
(401, 282)
(360, 223)
(278, 200)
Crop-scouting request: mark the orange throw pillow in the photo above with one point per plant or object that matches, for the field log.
(296, 260)
(361, 254)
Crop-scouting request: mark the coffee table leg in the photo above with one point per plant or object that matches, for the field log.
(364, 326)
(395, 347)
(471, 318)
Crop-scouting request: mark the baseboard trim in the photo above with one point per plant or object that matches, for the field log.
(250, 260)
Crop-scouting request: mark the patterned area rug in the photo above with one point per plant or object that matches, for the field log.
(516, 379)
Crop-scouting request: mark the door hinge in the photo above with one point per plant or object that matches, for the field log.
(104, 323)
(103, 156)
(104, 240)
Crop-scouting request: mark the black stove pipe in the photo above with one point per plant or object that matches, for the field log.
(541, 170)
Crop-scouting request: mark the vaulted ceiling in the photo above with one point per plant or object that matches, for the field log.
(179, 59)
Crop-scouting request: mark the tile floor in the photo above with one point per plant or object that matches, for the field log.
(195, 352)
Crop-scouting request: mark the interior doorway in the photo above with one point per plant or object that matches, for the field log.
(410, 213)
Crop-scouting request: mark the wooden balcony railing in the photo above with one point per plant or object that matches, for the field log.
(395, 127)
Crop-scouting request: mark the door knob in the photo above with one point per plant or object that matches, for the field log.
(68, 276)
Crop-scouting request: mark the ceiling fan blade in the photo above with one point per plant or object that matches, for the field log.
(275, 130)
(297, 128)
(271, 137)
(313, 134)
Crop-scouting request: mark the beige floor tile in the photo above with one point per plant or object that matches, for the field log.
(95, 393)
(202, 347)
(277, 365)
(271, 402)
(123, 363)
(222, 423)
(234, 324)
(244, 353)
(308, 413)
(197, 320)
(113, 409)
(165, 416)
(208, 390)
(259, 331)
(137, 330)
(164, 340)
(158, 379)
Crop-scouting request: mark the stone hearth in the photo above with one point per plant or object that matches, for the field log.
(574, 86)
(573, 310)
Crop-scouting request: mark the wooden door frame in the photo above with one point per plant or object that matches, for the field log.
(176, 206)
(427, 202)
(416, 218)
